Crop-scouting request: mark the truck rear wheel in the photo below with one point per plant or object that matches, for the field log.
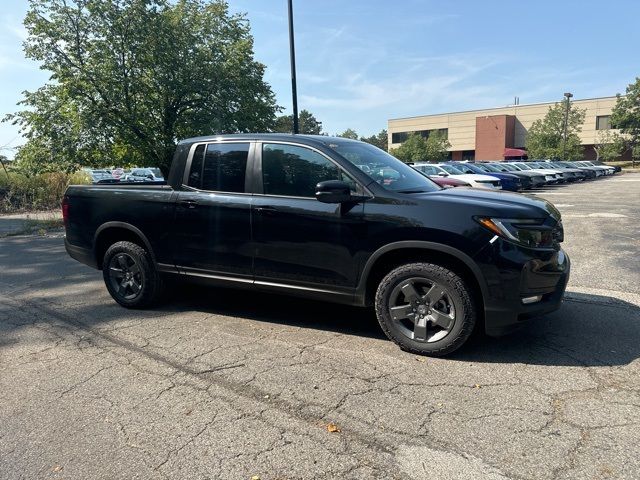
(425, 308)
(130, 275)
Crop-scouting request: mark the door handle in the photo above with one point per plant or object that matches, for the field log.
(266, 210)
(188, 203)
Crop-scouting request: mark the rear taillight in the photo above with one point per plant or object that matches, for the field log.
(65, 210)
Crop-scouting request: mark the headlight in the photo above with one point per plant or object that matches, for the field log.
(530, 233)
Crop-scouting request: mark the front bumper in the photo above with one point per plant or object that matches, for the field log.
(517, 273)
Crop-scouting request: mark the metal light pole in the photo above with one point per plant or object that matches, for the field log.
(566, 121)
(294, 90)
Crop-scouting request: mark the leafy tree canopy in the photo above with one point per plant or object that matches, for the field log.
(307, 123)
(626, 116)
(545, 138)
(131, 77)
(380, 140)
(349, 133)
(419, 149)
(609, 146)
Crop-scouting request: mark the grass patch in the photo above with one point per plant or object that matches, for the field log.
(19, 193)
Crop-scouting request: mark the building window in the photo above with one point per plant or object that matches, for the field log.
(603, 122)
(468, 155)
(399, 137)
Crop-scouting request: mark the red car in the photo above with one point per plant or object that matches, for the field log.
(449, 182)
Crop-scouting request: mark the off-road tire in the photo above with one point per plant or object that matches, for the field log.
(149, 279)
(460, 293)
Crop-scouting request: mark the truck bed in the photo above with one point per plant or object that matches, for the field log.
(148, 207)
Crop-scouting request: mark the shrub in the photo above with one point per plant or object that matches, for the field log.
(39, 192)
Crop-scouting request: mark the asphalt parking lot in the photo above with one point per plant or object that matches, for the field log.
(218, 384)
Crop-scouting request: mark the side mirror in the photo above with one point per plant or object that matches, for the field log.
(442, 174)
(333, 191)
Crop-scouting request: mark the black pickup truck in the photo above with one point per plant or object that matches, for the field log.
(331, 219)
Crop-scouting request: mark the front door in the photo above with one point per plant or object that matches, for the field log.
(300, 241)
(212, 224)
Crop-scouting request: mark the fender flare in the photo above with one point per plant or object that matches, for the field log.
(424, 245)
(125, 226)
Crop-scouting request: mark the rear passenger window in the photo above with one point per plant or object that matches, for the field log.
(195, 174)
(224, 167)
(294, 171)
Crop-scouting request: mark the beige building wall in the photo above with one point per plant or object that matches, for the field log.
(462, 125)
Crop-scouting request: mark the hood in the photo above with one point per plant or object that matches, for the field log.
(475, 177)
(525, 173)
(505, 175)
(540, 171)
(499, 203)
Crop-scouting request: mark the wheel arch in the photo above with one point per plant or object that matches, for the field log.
(388, 257)
(111, 232)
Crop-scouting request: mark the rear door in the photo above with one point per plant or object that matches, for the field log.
(212, 224)
(300, 241)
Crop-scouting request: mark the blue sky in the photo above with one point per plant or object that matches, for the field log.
(361, 62)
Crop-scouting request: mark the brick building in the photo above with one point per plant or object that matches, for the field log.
(499, 133)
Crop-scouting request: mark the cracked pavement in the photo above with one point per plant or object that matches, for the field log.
(218, 384)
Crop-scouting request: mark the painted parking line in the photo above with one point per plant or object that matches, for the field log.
(550, 193)
(595, 215)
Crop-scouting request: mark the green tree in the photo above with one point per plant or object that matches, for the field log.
(609, 146)
(437, 145)
(626, 116)
(349, 133)
(416, 148)
(131, 77)
(413, 149)
(308, 124)
(3, 162)
(545, 138)
(380, 140)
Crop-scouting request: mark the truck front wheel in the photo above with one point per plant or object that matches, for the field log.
(425, 308)
(130, 275)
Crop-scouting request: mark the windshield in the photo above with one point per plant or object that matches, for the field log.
(488, 168)
(450, 169)
(522, 166)
(428, 169)
(508, 167)
(463, 168)
(385, 169)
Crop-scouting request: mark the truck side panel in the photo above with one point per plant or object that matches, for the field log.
(147, 208)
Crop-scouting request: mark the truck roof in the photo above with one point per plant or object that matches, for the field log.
(304, 139)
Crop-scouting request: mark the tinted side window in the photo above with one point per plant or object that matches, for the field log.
(294, 171)
(195, 174)
(225, 166)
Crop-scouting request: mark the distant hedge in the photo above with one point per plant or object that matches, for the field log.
(39, 192)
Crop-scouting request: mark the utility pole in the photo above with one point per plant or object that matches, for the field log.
(568, 96)
(294, 90)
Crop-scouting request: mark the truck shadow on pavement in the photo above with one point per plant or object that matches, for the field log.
(588, 331)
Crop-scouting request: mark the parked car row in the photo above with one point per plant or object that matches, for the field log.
(116, 175)
(512, 176)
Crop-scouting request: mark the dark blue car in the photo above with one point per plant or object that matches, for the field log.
(508, 181)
